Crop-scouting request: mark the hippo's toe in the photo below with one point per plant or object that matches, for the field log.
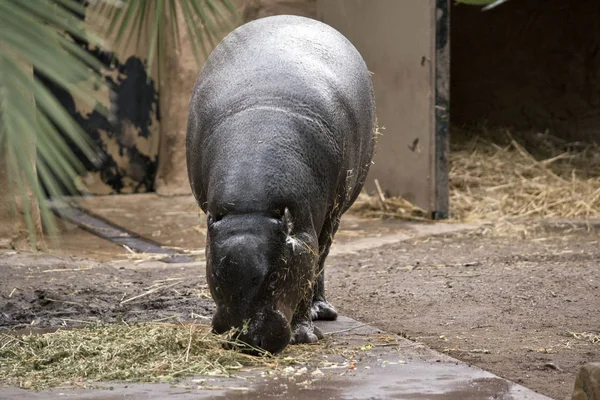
(306, 332)
(322, 310)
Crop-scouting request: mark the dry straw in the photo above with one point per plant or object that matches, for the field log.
(150, 352)
(494, 178)
(144, 352)
(593, 338)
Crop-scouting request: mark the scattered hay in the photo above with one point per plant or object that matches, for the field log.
(587, 336)
(150, 352)
(142, 257)
(392, 207)
(497, 179)
(144, 352)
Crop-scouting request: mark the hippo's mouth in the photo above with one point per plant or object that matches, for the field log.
(267, 331)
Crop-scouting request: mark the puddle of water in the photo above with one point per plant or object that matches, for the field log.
(414, 381)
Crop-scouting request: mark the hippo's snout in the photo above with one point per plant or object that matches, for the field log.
(269, 331)
(257, 341)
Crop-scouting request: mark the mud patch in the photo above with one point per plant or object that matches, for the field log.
(73, 293)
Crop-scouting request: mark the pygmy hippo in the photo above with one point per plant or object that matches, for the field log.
(279, 143)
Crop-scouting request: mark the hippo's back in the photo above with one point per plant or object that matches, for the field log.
(284, 55)
(313, 112)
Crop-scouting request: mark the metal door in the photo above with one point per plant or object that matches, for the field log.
(405, 45)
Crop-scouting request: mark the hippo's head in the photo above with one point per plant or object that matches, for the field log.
(258, 270)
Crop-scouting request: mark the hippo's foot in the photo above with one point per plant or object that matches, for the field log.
(306, 332)
(322, 310)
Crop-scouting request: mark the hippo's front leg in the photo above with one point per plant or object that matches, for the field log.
(303, 329)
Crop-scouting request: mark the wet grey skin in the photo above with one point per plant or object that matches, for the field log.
(279, 143)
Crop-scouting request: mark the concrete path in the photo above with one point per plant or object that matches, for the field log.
(396, 369)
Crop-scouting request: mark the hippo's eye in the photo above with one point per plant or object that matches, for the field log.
(211, 219)
(273, 278)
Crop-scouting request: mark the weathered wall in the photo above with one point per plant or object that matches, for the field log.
(145, 150)
(531, 64)
(254, 9)
(129, 143)
(181, 73)
(13, 226)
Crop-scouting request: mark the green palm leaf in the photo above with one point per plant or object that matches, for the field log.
(489, 4)
(32, 34)
(206, 21)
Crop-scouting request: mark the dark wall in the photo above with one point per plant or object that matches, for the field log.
(134, 101)
(134, 104)
(530, 64)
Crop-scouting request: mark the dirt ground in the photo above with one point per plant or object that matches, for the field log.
(501, 303)
(505, 303)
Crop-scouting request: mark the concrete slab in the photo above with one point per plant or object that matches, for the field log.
(394, 368)
(114, 233)
(410, 230)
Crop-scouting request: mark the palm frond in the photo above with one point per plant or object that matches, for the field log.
(493, 5)
(206, 21)
(489, 4)
(35, 34)
(38, 34)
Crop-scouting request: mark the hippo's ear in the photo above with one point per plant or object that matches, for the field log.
(286, 220)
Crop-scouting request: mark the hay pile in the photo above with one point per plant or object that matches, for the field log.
(493, 182)
(143, 352)
(151, 352)
(494, 178)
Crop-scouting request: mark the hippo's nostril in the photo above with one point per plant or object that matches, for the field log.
(228, 346)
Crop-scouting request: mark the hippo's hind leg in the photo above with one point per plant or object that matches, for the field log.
(321, 309)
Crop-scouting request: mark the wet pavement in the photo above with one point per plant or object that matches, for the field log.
(395, 368)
